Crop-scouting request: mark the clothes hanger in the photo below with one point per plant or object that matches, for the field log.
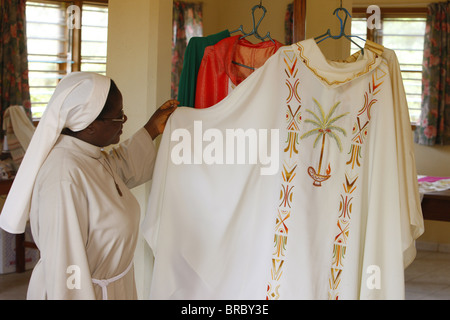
(255, 25)
(342, 33)
(254, 31)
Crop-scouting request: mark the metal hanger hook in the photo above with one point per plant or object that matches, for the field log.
(256, 26)
(336, 12)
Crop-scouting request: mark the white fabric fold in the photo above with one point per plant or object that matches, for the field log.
(21, 126)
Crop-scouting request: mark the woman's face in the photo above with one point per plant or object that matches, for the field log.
(110, 124)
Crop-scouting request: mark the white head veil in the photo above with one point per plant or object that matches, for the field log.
(77, 101)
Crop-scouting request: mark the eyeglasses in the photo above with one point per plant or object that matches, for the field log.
(121, 119)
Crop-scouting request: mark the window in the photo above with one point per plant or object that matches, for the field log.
(48, 52)
(404, 33)
(52, 46)
(94, 35)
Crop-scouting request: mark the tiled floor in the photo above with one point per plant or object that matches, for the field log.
(13, 286)
(427, 278)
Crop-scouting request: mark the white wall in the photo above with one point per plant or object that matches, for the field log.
(139, 61)
(230, 14)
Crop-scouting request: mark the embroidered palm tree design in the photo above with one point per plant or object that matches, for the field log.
(324, 126)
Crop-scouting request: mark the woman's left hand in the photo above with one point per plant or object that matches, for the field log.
(155, 126)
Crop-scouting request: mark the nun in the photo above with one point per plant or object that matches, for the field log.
(83, 217)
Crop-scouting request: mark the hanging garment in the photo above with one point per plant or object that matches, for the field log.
(192, 59)
(301, 184)
(218, 75)
(85, 230)
(19, 131)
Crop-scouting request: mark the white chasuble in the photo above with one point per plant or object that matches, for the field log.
(301, 184)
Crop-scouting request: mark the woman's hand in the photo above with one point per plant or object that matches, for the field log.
(155, 126)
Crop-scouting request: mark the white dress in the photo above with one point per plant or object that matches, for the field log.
(83, 228)
(328, 206)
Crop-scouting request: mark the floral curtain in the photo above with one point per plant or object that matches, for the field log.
(434, 126)
(14, 88)
(289, 24)
(187, 23)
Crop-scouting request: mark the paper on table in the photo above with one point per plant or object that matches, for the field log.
(433, 184)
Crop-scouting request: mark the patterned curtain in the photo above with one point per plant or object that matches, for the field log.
(289, 24)
(187, 23)
(14, 88)
(434, 126)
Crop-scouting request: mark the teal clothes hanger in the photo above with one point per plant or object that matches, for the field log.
(342, 33)
(254, 31)
(255, 25)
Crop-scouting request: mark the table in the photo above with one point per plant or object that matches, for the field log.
(436, 205)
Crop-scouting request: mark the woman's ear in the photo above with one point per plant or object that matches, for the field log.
(91, 129)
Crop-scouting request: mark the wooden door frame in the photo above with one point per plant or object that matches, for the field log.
(299, 32)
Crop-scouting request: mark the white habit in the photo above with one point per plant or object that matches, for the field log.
(84, 229)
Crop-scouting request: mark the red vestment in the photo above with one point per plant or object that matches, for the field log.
(218, 73)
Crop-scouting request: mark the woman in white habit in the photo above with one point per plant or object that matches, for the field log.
(84, 218)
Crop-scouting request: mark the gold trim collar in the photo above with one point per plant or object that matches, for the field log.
(337, 73)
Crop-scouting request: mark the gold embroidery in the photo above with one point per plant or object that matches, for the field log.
(348, 197)
(285, 210)
(368, 67)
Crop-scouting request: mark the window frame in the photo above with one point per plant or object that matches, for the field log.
(73, 35)
(390, 12)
